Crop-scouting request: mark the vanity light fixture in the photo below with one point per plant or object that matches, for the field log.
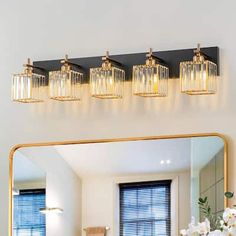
(47, 210)
(65, 84)
(107, 81)
(151, 79)
(198, 76)
(28, 87)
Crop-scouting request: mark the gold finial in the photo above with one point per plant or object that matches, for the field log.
(28, 67)
(106, 61)
(197, 51)
(65, 60)
(65, 63)
(198, 56)
(150, 58)
(150, 53)
(198, 47)
(28, 61)
(106, 57)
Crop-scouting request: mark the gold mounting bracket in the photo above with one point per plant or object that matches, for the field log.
(152, 59)
(29, 67)
(66, 64)
(108, 62)
(199, 56)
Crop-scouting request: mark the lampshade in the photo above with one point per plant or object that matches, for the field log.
(107, 81)
(28, 87)
(198, 76)
(65, 84)
(150, 80)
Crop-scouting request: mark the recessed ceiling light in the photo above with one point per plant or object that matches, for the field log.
(162, 162)
(168, 161)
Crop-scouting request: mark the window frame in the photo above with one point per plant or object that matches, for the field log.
(146, 184)
(24, 192)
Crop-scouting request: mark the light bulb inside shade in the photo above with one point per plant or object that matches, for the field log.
(53, 210)
(28, 88)
(198, 78)
(150, 81)
(65, 85)
(107, 83)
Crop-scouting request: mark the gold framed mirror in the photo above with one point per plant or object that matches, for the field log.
(178, 146)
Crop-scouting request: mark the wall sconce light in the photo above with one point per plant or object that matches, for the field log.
(107, 81)
(48, 210)
(150, 80)
(198, 76)
(27, 87)
(15, 192)
(65, 84)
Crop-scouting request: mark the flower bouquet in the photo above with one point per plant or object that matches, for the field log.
(212, 226)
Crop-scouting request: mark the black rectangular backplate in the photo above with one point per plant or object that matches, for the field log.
(171, 58)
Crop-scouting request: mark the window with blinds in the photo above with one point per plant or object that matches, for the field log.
(145, 209)
(28, 221)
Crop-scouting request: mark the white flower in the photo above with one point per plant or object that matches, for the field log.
(229, 217)
(203, 228)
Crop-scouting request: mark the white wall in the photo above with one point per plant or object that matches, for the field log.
(48, 29)
(100, 200)
(63, 190)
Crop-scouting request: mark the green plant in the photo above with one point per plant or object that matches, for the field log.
(206, 211)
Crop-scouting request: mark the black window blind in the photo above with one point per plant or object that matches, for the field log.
(28, 221)
(145, 209)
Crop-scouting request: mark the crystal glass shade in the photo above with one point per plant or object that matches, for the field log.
(65, 85)
(107, 82)
(150, 80)
(28, 87)
(198, 77)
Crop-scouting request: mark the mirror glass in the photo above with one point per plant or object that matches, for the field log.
(130, 188)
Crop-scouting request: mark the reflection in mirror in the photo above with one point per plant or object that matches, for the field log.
(29, 196)
(130, 188)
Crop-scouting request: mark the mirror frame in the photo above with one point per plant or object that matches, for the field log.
(16, 147)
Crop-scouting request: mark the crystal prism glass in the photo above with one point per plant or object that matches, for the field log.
(198, 77)
(28, 88)
(65, 85)
(150, 81)
(107, 82)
